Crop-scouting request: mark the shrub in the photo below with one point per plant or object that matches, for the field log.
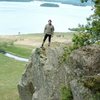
(6, 43)
(82, 39)
(11, 43)
(66, 93)
(3, 44)
(67, 52)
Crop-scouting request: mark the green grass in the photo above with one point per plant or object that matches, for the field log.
(66, 93)
(10, 74)
(22, 51)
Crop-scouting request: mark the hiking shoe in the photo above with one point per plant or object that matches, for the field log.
(41, 47)
(48, 45)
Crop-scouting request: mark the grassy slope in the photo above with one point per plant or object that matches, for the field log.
(18, 50)
(11, 70)
(10, 73)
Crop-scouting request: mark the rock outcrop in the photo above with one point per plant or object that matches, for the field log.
(45, 75)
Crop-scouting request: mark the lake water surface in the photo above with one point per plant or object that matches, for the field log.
(29, 17)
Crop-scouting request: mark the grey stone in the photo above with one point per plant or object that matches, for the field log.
(79, 91)
(44, 75)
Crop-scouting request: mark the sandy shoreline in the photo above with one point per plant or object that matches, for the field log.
(35, 40)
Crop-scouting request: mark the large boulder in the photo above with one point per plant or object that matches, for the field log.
(45, 74)
(85, 61)
(84, 76)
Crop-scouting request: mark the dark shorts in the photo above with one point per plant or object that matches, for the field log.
(47, 36)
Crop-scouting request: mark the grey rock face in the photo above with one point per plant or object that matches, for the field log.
(44, 75)
(79, 91)
(85, 61)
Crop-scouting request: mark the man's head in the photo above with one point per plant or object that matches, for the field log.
(49, 21)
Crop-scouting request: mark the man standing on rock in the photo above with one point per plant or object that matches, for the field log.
(48, 31)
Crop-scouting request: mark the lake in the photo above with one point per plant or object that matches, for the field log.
(29, 17)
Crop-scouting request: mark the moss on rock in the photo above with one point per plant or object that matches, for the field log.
(66, 93)
(93, 82)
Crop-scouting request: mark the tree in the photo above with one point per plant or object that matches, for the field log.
(89, 33)
(93, 22)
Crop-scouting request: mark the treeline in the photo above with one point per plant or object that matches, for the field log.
(90, 33)
(17, 0)
(72, 2)
(49, 5)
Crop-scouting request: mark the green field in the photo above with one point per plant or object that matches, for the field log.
(10, 73)
(22, 51)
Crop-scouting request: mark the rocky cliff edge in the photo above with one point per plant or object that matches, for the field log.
(44, 75)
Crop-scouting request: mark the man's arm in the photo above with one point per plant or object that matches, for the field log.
(45, 29)
(53, 30)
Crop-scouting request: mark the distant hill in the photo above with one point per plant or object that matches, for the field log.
(49, 5)
(76, 3)
(72, 2)
(17, 0)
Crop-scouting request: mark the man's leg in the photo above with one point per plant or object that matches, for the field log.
(45, 37)
(49, 39)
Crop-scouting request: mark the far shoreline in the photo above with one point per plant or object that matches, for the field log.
(53, 2)
(69, 32)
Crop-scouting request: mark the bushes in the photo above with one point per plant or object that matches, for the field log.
(79, 40)
(67, 52)
(6, 44)
(66, 93)
(82, 39)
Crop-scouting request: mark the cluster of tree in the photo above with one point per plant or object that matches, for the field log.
(72, 2)
(93, 25)
(89, 33)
